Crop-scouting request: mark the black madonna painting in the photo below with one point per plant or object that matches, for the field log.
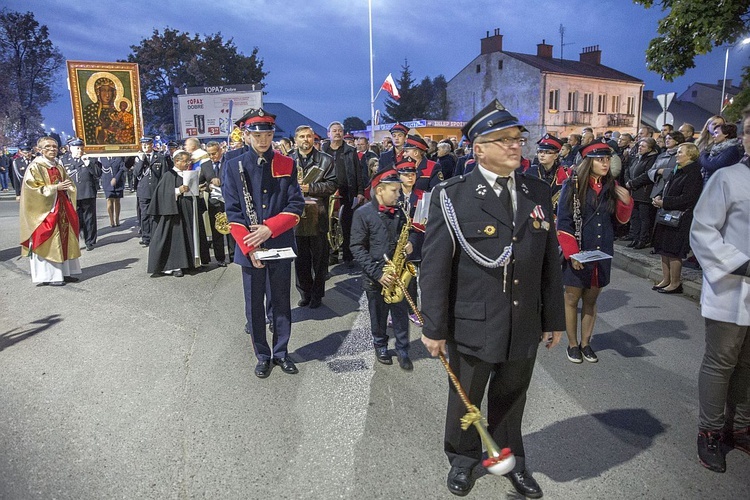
(106, 106)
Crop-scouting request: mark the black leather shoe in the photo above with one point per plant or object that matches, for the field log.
(287, 365)
(632, 244)
(525, 484)
(405, 363)
(657, 287)
(669, 292)
(640, 246)
(57, 283)
(381, 353)
(221, 263)
(70, 279)
(303, 302)
(460, 481)
(178, 273)
(263, 368)
(315, 303)
(89, 248)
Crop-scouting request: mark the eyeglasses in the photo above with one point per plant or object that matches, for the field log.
(509, 142)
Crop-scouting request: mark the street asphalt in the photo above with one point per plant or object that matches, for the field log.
(123, 386)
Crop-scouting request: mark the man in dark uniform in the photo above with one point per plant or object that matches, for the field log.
(317, 177)
(148, 168)
(350, 180)
(428, 171)
(263, 203)
(390, 157)
(85, 172)
(220, 242)
(19, 167)
(491, 291)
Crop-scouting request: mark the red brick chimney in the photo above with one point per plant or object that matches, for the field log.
(591, 55)
(544, 50)
(492, 43)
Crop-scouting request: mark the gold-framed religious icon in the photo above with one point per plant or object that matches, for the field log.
(106, 100)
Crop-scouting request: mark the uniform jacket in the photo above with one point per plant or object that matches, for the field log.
(720, 239)
(20, 165)
(324, 187)
(276, 197)
(389, 158)
(374, 234)
(555, 178)
(428, 175)
(597, 233)
(464, 302)
(149, 171)
(86, 176)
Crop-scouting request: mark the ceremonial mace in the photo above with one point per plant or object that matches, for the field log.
(498, 461)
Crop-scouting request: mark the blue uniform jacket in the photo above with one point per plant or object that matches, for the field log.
(277, 199)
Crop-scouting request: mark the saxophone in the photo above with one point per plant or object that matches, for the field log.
(399, 267)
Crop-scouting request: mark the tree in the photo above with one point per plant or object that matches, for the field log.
(173, 60)
(354, 123)
(693, 28)
(428, 99)
(404, 109)
(30, 65)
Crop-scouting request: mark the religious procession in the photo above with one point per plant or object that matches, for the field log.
(491, 254)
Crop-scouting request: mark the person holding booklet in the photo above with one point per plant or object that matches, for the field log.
(264, 202)
(178, 240)
(591, 203)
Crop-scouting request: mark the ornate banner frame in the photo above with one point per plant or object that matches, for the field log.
(106, 100)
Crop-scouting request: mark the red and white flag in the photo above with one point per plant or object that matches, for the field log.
(390, 86)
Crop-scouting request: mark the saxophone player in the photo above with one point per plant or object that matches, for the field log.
(376, 230)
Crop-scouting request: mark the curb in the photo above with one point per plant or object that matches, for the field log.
(648, 266)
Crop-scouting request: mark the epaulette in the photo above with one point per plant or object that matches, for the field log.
(531, 178)
(452, 181)
(281, 166)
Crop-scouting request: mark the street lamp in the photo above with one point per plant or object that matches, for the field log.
(724, 81)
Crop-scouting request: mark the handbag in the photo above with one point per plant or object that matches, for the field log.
(669, 218)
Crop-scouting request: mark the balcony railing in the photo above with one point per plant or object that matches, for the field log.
(620, 120)
(576, 118)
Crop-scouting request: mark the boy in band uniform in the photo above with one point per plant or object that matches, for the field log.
(376, 228)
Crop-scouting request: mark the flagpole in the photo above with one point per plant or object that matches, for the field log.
(372, 88)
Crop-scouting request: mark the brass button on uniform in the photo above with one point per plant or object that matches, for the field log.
(515, 282)
(515, 303)
(514, 238)
(264, 206)
(266, 190)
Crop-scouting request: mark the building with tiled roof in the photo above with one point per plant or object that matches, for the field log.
(556, 96)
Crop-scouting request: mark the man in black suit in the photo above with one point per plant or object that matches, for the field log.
(20, 164)
(148, 168)
(85, 172)
(491, 290)
(220, 242)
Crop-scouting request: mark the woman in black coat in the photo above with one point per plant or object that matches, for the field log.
(640, 184)
(680, 193)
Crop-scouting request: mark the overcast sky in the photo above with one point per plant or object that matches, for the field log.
(317, 52)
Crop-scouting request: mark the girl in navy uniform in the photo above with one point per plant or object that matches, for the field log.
(591, 203)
